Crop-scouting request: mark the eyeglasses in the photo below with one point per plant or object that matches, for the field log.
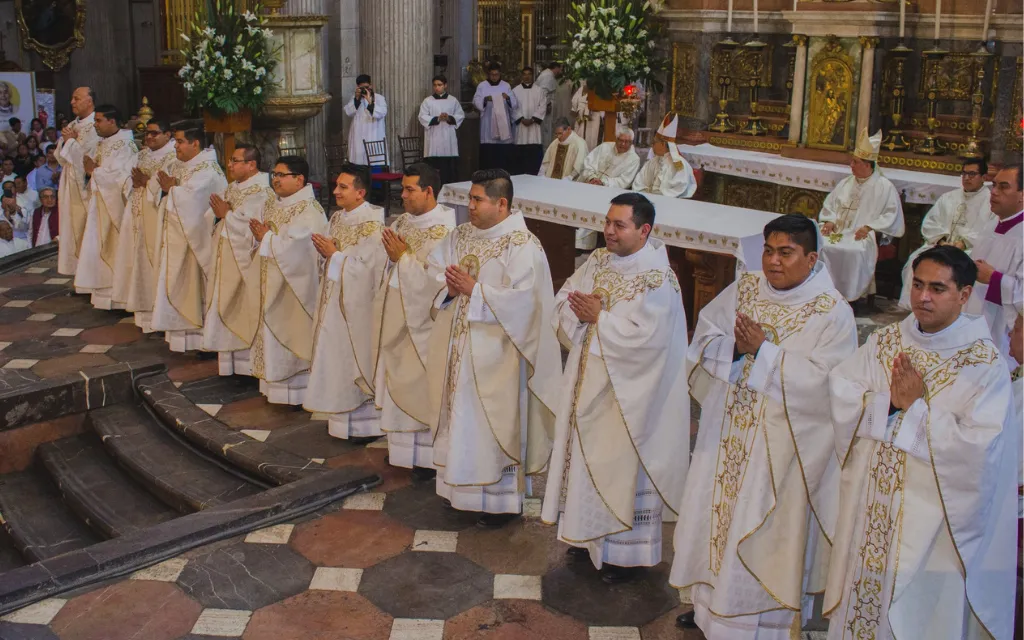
(970, 174)
(277, 174)
(154, 133)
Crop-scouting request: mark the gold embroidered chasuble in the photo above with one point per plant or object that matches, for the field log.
(71, 191)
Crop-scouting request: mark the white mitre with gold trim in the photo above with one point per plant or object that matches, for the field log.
(667, 132)
(868, 147)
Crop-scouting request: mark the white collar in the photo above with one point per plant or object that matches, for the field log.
(305, 193)
(259, 177)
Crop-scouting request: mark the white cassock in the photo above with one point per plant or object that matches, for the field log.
(1003, 248)
(564, 160)
(531, 104)
(621, 443)
(759, 495)
(342, 370)
(925, 539)
(1017, 382)
(496, 115)
(367, 124)
(957, 216)
(71, 192)
(233, 291)
(184, 247)
(440, 138)
(137, 261)
(494, 367)
(664, 176)
(546, 80)
(289, 270)
(402, 322)
(588, 124)
(27, 203)
(115, 158)
(851, 205)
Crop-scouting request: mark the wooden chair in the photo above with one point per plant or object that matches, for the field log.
(412, 150)
(381, 175)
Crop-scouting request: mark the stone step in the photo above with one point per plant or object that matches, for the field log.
(38, 522)
(94, 487)
(161, 463)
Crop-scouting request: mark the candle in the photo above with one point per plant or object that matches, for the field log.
(755, 16)
(938, 17)
(903, 18)
(984, 27)
(794, 4)
(728, 20)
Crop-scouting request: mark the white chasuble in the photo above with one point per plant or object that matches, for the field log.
(531, 104)
(115, 158)
(760, 493)
(621, 443)
(612, 168)
(564, 160)
(494, 367)
(71, 191)
(342, 370)
(233, 292)
(926, 535)
(440, 137)
(998, 300)
(402, 327)
(184, 246)
(665, 176)
(854, 204)
(289, 270)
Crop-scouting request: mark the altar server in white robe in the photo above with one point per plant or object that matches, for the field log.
(999, 256)
(621, 440)
(341, 374)
(566, 154)
(929, 445)
(138, 262)
(862, 207)
(1017, 383)
(77, 140)
(289, 268)
(26, 201)
(666, 172)
(494, 362)
(610, 164)
(366, 111)
(441, 115)
(588, 123)
(548, 80)
(108, 173)
(496, 103)
(959, 217)
(184, 240)
(759, 498)
(233, 292)
(402, 321)
(528, 116)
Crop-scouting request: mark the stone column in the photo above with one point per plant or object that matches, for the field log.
(867, 77)
(315, 128)
(397, 46)
(796, 110)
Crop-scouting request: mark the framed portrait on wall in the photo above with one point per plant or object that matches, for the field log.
(17, 97)
(51, 28)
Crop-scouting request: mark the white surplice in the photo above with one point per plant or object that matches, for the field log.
(621, 443)
(588, 124)
(564, 160)
(439, 137)
(546, 80)
(233, 292)
(366, 125)
(115, 158)
(494, 367)
(925, 539)
(759, 494)
(71, 192)
(1003, 248)
(853, 204)
(612, 168)
(531, 104)
(402, 322)
(289, 270)
(957, 216)
(341, 373)
(27, 203)
(661, 175)
(495, 131)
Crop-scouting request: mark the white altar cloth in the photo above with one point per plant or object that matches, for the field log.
(921, 187)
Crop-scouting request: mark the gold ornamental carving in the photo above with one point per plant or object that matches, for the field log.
(64, 31)
(741, 66)
(832, 97)
(955, 74)
(1014, 134)
(685, 59)
(806, 202)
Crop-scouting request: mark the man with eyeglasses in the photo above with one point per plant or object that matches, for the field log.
(233, 293)
(958, 217)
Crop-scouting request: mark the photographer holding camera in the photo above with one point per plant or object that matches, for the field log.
(367, 111)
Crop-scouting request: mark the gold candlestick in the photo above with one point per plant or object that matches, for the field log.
(930, 145)
(973, 149)
(722, 124)
(894, 139)
(754, 126)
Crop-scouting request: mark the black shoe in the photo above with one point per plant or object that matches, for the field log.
(448, 504)
(612, 574)
(364, 439)
(423, 474)
(578, 553)
(685, 621)
(206, 355)
(495, 520)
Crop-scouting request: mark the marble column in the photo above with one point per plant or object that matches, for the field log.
(398, 53)
(796, 110)
(867, 72)
(315, 128)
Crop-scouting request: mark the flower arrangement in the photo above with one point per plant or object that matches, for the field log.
(228, 61)
(614, 45)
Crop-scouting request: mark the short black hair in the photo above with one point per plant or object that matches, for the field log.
(13, 121)
(497, 184)
(440, 77)
(360, 175)
(493, 66)
(363, 77)
(964, 270)
(110, 112)
(163, 123)
(982, 165)
(799, 228)
(428, 176)
(528, 68)
(251, 153)
(554, 64)
(643, 209)
(296, 165)
(192, 131)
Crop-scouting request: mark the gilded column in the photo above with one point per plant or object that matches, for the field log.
(796, 110)
(867, 78)
(398, 46)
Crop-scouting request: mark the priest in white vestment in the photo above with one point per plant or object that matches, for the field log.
(925, 539)
(959, 217)
(566, 154)
(108, 173)
(1017, 383)
(548, 80)
(496, 103)
(289, 268)
(366, 113)
(77, 140)
(610, 164)
(999, 256)
(860, 212)
(402, 321)
(494, 362)
(528, 116)
(233, 292)
(441, 115)
(588, 123)
(184, 240)
(341, 373)
(666, 172)
(759, 496)
(621, 440)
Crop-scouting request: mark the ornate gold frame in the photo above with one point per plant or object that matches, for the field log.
(54, 56)
(685, 59)
(831, 59)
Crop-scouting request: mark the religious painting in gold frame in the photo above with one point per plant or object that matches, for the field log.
(832, 98)
(685, 59)
(51, 28)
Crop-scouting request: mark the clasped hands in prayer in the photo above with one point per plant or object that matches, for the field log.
(394, 245)
(139, 178)
(907, 385)
(89, 165)
(586, 306)
(219, 206)
(166, 181)
(749, 335)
